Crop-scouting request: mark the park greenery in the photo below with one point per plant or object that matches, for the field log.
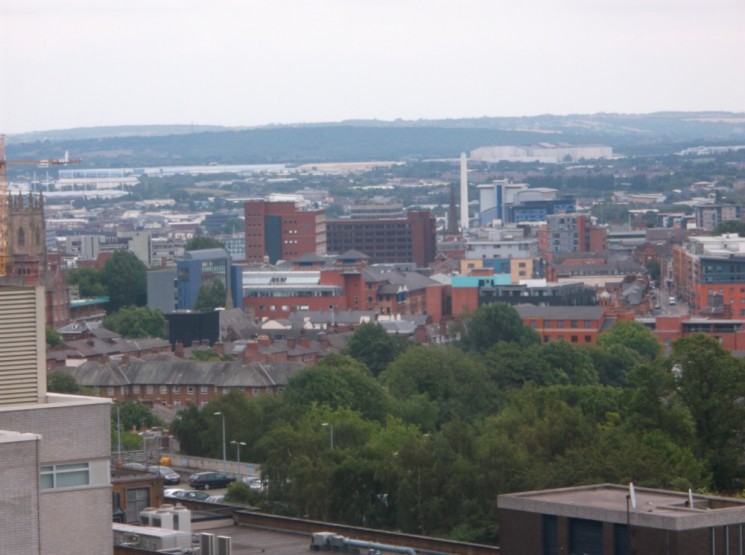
(211, 295)
(123, 279)
(200, 242)
(423, 439)
(136, 321)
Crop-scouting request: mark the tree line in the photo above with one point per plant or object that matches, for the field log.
(423, 438)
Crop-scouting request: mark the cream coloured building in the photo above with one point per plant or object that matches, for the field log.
(54, 449)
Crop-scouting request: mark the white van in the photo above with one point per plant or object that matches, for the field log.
(672, 300)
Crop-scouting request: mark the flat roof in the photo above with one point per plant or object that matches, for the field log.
(248, 540)
(608, 503)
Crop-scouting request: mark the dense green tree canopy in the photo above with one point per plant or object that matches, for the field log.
(60, 382)
(731, 226)
(211, 295)
(632, 335)
(428, 445)
(136, 321)
(89, 281)
(338, 382)
(125, 277)
(457, 384)
(711, 383)
(492, 323)
(52, 336)
(371, 345)
(199, 242)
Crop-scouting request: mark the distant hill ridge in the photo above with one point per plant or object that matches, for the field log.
(139, 145)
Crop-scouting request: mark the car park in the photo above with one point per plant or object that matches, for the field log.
(210, 480)
(170, 476)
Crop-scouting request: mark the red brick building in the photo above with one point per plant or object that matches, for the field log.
(280, 230)
(575, 324)
(410, 239)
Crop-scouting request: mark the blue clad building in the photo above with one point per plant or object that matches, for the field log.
(199, 267)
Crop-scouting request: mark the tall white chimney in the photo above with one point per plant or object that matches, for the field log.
(463, 192)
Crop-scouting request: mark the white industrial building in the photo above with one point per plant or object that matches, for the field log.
(547, 153)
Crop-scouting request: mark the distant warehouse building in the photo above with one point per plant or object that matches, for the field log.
(411, 238)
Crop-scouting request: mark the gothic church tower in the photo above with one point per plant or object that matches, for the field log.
(27, 252)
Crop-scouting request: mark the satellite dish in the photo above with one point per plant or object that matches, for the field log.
(632, 495)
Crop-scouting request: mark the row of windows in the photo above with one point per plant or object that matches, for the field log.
(573, 338)
(163, 390)
(562, 324)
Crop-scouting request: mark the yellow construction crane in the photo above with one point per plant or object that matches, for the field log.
(4, 248)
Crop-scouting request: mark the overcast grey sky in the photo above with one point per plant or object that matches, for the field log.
(79, 63)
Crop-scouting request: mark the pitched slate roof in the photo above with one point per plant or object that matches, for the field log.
(560, 312)
(183, 372)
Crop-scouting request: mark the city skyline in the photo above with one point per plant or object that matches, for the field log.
(89, 63)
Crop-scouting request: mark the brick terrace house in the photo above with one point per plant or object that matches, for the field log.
(574, 324)
(175, 384)
(101, 347)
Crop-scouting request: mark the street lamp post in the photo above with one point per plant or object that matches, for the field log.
(331, 432)
(224, 447)
(238, 451)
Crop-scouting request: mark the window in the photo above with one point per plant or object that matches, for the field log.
(190, 389)
(255, 391)
(69, 475)
(588, 339)
(163, 389)
(149, 389)
(110, 391)
(575, 339)
(177, 389)
(135, 389)
(203, 389)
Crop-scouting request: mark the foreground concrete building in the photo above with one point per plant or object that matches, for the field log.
(607, 519)
(54, 449)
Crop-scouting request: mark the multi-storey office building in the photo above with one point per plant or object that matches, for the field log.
(281, 230)
(409, 239)
(710, 267)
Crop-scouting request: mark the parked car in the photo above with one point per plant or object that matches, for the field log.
(254, 483)
(188, 495)
(134, 466)
(672, 300)
(209, 480)
(215, 498)
(169, 475)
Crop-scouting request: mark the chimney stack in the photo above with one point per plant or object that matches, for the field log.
(463, 192)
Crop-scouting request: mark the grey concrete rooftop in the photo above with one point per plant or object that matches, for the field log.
(608, 502)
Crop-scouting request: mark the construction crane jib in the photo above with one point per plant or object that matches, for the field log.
(4, 227)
